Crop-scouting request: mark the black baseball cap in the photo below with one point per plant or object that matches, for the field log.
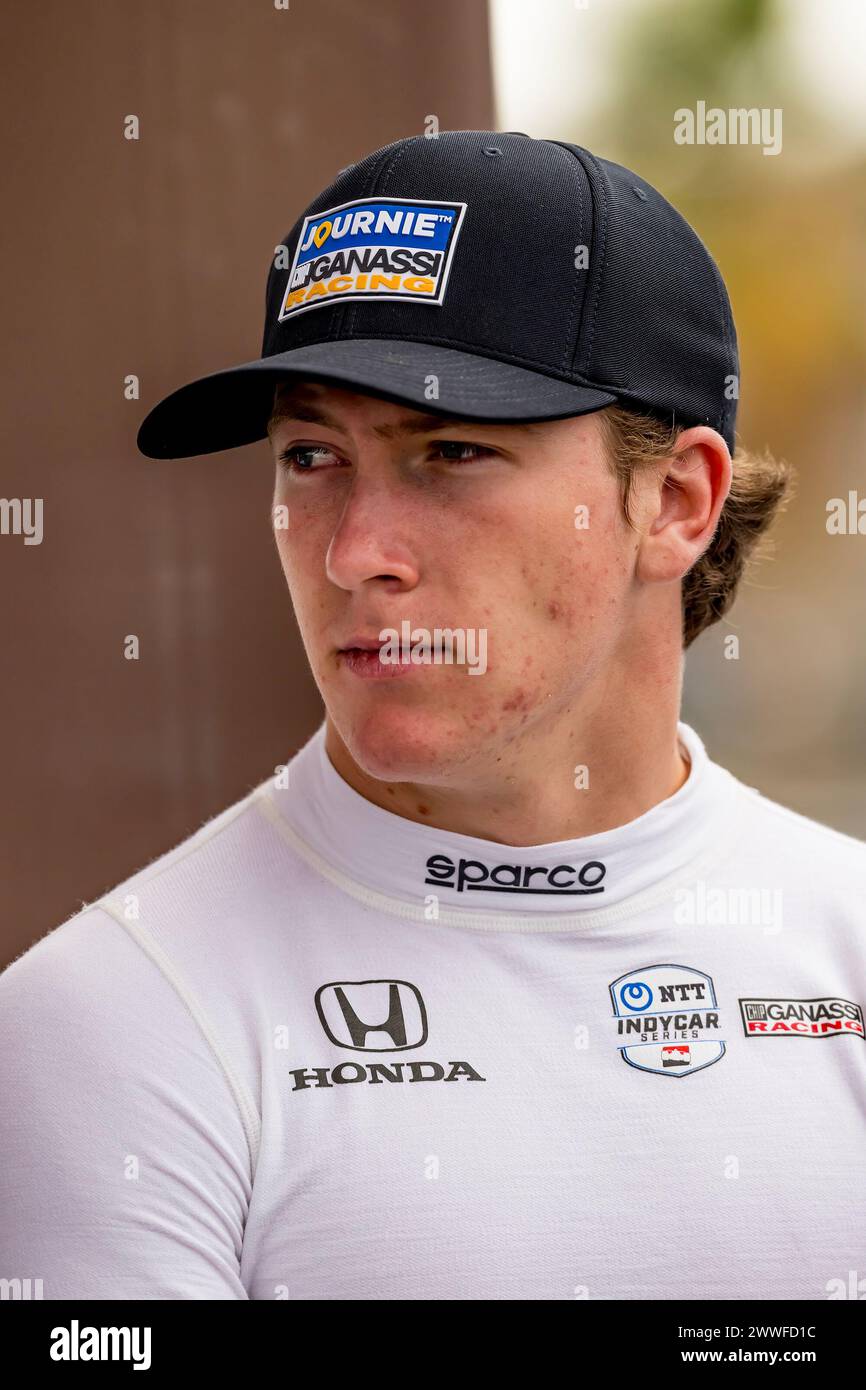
(487, 276)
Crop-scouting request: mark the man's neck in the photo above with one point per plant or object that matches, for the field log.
(562, 784)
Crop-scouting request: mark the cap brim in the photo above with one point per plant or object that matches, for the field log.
(232, 407)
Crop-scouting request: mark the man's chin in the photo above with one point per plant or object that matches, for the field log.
(399, 744)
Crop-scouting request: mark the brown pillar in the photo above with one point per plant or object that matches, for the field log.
(148, 258)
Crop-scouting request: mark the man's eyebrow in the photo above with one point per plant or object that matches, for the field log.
(415, 423)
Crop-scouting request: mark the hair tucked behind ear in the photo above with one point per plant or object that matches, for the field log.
(760, 486)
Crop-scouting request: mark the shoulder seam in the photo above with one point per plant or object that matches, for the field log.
(248, 1114)
(178, 852)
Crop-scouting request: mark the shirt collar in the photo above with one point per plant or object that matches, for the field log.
(402, 859)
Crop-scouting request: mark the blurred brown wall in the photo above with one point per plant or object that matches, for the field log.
(149, 258)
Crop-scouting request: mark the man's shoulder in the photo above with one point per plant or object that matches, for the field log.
(206, 893)
(798, 837)
(72, 950)
(166, 954)
(216, 841)
(197, 895)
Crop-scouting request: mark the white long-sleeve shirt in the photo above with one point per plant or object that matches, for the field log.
(319, 1051)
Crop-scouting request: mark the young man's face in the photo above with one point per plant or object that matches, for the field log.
(514, 534)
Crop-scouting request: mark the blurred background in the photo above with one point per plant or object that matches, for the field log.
(147, 259)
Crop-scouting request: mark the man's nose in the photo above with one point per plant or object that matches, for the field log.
(371, 540)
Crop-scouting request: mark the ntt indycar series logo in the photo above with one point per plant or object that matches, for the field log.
(667, 1019)
(373, 248)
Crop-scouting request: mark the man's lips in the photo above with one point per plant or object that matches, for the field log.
(365, 661)
(360, 655)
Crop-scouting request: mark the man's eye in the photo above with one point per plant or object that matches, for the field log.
(458, 451)
(306, 458)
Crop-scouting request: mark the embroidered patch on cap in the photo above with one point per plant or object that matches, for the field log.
(373, 248)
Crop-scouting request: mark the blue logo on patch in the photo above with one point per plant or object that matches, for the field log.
(373, 248)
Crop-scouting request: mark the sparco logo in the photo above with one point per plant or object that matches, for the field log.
(801, 1018)
(470, 875)
(376, 1016)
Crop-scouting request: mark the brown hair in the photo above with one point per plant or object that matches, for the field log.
(760, 486)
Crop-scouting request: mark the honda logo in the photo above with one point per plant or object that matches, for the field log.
(352, 1012)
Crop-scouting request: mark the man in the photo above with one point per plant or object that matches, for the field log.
(502, 989)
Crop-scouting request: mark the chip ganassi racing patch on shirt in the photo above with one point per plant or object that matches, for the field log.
(801, 1018)
(373, 248)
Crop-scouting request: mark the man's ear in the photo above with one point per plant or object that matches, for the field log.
(691, 489)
